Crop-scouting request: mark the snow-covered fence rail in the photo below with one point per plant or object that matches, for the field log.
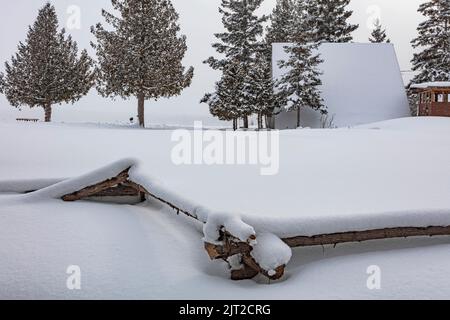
(361, 236)
(226, 236)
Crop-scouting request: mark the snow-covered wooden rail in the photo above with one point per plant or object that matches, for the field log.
(227, 246)
(361, 236)
(227, 237)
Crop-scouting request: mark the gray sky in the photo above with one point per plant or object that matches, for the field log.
(199, 20)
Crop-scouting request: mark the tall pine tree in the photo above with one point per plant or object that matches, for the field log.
(299, 85)
(433, 61)
(224, 103)
(47, 70)
(331, 17)
(141, 53)
(282, 20)
(378, 34)
(261, 87)
(238, 45)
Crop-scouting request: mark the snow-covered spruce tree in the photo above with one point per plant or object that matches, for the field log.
(331, 17)
(141, 53)
(239, 44)
(47, 70)
(378, 34)
(433, 61)
(282, 20)
(261, 87)
(224, 103)
(299, 85)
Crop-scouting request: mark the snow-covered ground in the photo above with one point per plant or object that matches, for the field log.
(149, 253)
(395, 173)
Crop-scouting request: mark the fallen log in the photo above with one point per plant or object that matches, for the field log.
(97, 188)
(122, 186)
(360, 236)
(118, 191)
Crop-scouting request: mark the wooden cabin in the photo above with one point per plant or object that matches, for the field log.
(434, 100)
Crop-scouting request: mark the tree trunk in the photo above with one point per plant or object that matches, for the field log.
(245, 122)
(48, 112)
(260, 121)
(298, 117)
(141, 112)
(268, 121)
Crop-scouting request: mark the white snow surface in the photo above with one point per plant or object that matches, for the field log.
(147, 252)
(361, 83)
(329, 180)
(394, 173)
(436, 84)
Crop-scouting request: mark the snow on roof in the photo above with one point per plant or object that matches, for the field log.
(435, 84)
(361, 83)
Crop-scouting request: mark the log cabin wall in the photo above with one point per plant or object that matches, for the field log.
(434, 102)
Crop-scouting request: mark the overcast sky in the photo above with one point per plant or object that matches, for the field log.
(199, 20)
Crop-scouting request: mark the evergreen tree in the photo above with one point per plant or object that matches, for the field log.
(300, 83)
(224, 103)
(331, 17)
(379, 34)
(433, 61)
(141, 54)
(261, 88)
(239, 45)
(47, 70)
(282, 20)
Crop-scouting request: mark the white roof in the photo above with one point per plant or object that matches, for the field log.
(361, 83)
(436, 84)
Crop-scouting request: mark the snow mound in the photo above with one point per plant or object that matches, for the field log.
(22, 186)
(270, 252)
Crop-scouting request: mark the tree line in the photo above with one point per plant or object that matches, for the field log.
(139, 55)
(139, 51)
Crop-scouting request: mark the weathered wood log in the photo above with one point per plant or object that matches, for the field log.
(244, 273)
(360, 236)
(99, 187)
(230, 247)
(118, 191)
(171, 205)
(250, 262)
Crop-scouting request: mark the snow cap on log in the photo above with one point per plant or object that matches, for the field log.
(72, 185)
(271, 253)
(232, 224)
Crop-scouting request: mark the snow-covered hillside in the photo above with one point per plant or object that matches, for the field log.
(389, 174)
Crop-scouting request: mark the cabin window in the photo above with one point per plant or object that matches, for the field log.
(440, 97)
